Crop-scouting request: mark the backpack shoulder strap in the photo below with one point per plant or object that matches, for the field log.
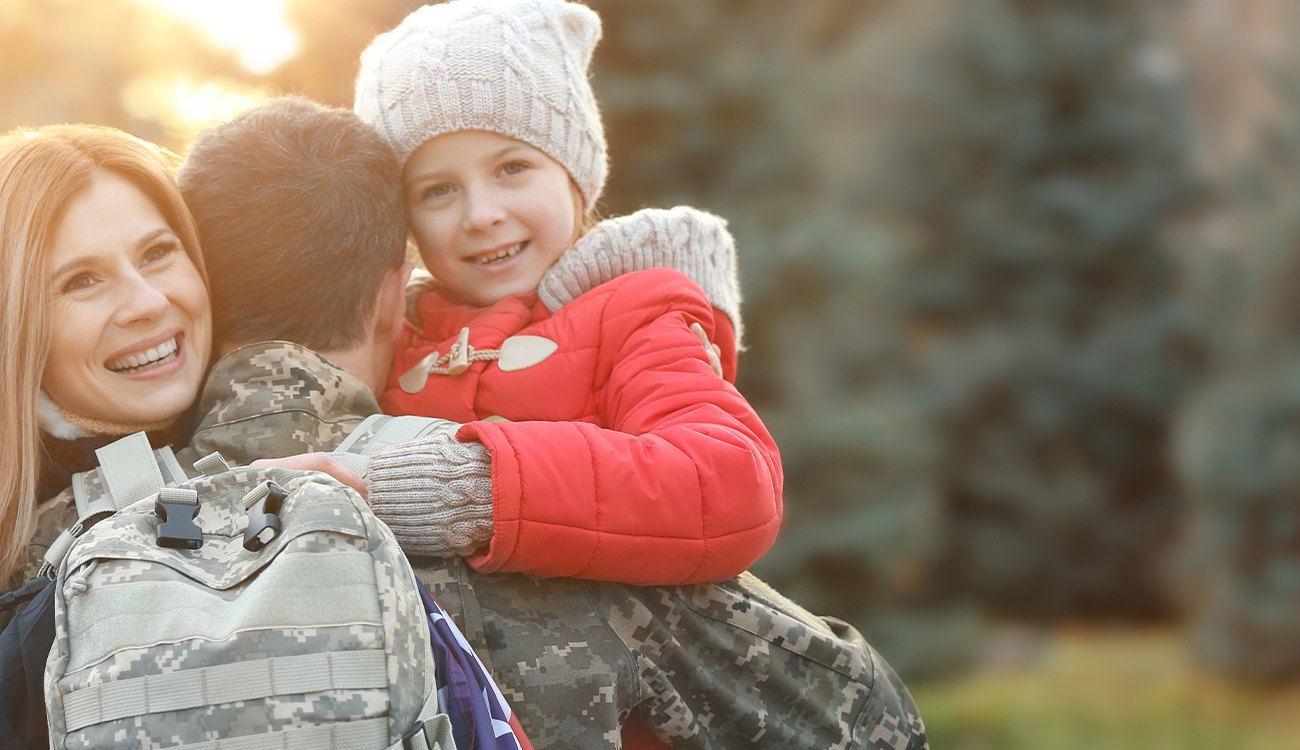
(129, 470)
(381, 430)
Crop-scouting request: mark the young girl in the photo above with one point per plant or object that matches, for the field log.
(624, 457)
(597, 442)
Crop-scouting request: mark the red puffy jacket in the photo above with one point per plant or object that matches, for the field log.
(625, 457)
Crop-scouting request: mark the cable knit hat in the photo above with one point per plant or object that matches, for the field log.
(514, 67)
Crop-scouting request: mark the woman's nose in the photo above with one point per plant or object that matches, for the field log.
(141, 301)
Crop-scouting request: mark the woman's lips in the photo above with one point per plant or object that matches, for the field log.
(153, 358)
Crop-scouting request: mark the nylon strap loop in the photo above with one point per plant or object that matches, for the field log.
(213, 463)
(129, 469)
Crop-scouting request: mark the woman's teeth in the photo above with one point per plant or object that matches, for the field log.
(509, 252)
(164, 352)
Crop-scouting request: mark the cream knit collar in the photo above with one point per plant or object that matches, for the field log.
(56, 422)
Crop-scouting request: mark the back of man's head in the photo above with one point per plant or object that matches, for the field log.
(300, 216)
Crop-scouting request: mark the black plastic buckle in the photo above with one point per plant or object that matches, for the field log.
(264, 518)
(176, 510)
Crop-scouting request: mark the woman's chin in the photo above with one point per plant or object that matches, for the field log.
(148, 403)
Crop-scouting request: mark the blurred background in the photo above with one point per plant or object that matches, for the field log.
(1022, 294)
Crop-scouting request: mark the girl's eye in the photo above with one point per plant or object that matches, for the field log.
(437, 190)
(513, 167)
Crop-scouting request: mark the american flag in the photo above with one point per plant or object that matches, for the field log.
(480, 717)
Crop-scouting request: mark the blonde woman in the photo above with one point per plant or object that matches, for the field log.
(104, 327)
(104, 316)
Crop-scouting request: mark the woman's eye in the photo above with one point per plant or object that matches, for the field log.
(158, 252)
(78, 282)
(513, 167)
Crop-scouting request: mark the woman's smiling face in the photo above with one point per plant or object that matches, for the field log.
(131, 329)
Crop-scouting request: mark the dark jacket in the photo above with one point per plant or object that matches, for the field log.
(27, 614)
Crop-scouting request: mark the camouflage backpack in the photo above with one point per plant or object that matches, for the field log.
(241, 609)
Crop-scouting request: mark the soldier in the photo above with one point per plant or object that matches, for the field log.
(301, 219)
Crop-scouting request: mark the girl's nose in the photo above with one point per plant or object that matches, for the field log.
(482, 210)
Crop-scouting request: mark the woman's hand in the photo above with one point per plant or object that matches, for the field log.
(322, 462)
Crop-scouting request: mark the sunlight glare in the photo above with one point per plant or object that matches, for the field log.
(185, 105)
(257, 31)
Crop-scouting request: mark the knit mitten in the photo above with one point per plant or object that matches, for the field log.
(435, 493)
(682, 238)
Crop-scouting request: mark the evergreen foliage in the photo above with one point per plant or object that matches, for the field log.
(1033, 155)
(1239, 442)
(1240, 455)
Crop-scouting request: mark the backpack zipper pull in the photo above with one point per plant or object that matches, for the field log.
(80, 583)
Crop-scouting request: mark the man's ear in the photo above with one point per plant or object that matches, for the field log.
(390, 308)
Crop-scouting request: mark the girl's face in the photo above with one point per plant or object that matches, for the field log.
(490, 214)
(131, 326)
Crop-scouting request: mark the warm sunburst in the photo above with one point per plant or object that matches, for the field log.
(256, 31)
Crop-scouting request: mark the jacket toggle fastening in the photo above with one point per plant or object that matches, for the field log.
(516, 353)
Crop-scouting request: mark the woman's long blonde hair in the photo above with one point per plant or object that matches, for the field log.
(41, 171)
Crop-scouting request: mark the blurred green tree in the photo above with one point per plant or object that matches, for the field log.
(1239, 442)
(1033, 155)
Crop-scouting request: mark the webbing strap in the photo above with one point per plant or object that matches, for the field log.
(167, 469)
(58, 550)
(172, 473)
(86, 506)
(349, 735)
(355, 462)
(226, 683)
(129, 469)
(380, 431)
(213, 463)
(434, 734)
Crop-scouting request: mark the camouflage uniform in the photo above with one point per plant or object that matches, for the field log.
(707, 666)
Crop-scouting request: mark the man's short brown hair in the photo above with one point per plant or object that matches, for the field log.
(300, 215)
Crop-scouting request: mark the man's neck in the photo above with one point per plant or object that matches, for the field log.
(277, 399)
(365, 363)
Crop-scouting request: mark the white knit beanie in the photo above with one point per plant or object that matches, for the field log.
(514, 67)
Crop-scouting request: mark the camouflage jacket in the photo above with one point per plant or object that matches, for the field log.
(261, 401)
(276, 399)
